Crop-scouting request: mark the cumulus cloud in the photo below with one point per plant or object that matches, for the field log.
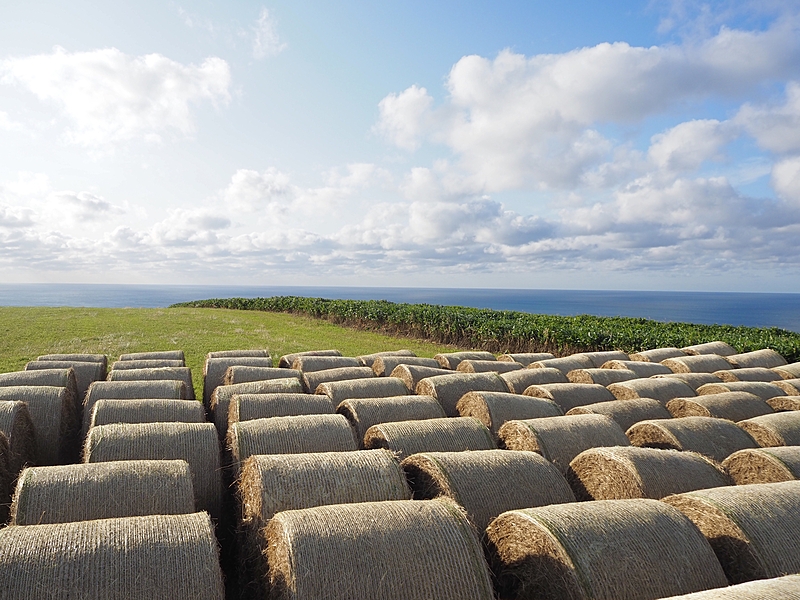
(776, 127)
(266, 41)
(404, 117)
(786, 179)
(688, 145)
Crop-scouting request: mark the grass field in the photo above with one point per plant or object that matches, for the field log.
(26, 333)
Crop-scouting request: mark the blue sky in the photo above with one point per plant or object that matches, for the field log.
(625, 145)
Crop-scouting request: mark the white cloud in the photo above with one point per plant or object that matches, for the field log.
(786, 179)
(266, 41)
(6, 124)
(688, 145)
(776, 128)
(404, 117)
(252, 191)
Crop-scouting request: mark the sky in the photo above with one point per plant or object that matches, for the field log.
(639, 145)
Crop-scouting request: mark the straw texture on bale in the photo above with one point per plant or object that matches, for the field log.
(448, 389)
(363, 413)
(631, 472)
(6, 478)
(570, 395)
(245, 374)
(55, 421)
(368, 360)
(693, 380)
(662, 389)
(749, 374)
(384, 365)
(560, 439)
(98, 358)
(17, 426)
(311, 381)
(713, 438)
(376, 387)
(413, 374)
(196, 443)
(290, 435)
(450, 360)
(778, 588)
(183, 374)
(641, 368)
(156, 355)
(214, 371)
(156, 410)
(791, 371)
(698, 363)
(777, 429)
(431, 435)
(123, 365)
(487, 483)
(764, 465)
(600, 376)
(753, 529)
(102, 491)
(625, 413)
(286, 360)
(85, 373)
(600, 358)
(525, 358)
(718, 348)
(656, 355)
(487, 366)
(160, 557)
(495, 408)
(519, 381)
(309, 364)
(609, 549)
(64, 377)
(130, 390)
(258, 353)
(733, 406)
(790, 386)
(782, 403)
(394, 550)
(766, 358)
(565, 364)
(246, 407)
(762, 389)
(221, 398)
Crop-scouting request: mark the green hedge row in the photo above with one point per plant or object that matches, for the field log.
(511, 331)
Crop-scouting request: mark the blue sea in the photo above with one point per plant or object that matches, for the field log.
(754, 310)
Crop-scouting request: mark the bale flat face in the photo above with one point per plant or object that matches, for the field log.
(642, 369)
(719, 348)
(122, 365)
(363, 413)
(782, 403)
(625, 413)
(777, 429)
(17, 426)
(766, 358)
(106, 412)
(495, 408)
(368, 360)
(525, 358)
(102, 491)
(639, 549)
(600, 358)
(215, 368)
(411, 375)
(287, 359)
(791, 371)
(600, 376)
(764, 465)
(564, 364)
(244, 374)
(629, 472)
(519, 381)
(762, 389)
(450, 360)
(85, 372)
(311, 381)
(790, 386)
(221, 398)
(698, 363)
(656, 355)
(749, 374)
(448, 389)
(487, 366)
(255, 353)
(404, 550)
(662, 389)
(384, 365)
(733, 406)
(753, 529)
(169, 557)
(156, 355)
(570, 395)
(693, 380)
(375, 387)
(431, 435)
(246, 407)
(309, 364)
(183, 374)
(130, 390)
(779, 588)
(487, 482)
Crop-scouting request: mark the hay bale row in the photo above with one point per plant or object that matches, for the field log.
(791, 371)
(525, 358)
(368, 360)
(214, 370)
(411, 375)
(656, 355)
(86, 373)
(765, 358)
(662, 389)
(693, 380)
(17, 427)
(777, 429)
(285, 361)
(448, 389)
(252, 353)
(312, 380)
(761, 389)
(159, 410)
(101, 359)
(50, 377)
(246, 374)
(155, 355)
(600, 358)
(309, 364)
(430, 435)
(493, 409)
(246, 407)
(718, 348)
(734, 406)
(601, 376)
(697, 363)
(376, 387)
(519, 381)
(487, 366)
(749, 374)
(363, 413)
(570, 395)
(124, 365)
(451, 360)
(129, 390)
(790, 386)
(626, 413)
(641, 368)
(384, 365)
(564, 364)
(183, 374)
(221, 398)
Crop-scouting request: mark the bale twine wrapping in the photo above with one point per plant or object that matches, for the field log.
(525, 358)
(565, 364)
(656, 355)
(64, 377)
(221, 398)
(495, 408)
(625, 413)
(413, 374)
(486, 483)
(363, 413)
(699, 363)
(130, 390)
(86, 373)
(368, 360)
(393, 550)
(766, 358)
(782, 403)
(519, 381)
(570, 395)
(487, 366)
(600, 358)
(290, 435)
(196, 443)
(693, 380)
(244, 374)
(733, 406)
(156, 410)
(609, 549)
(55, 421)
(600, 376)
(311, 381)
(749, 374)
(156, 355)
(183, 374)
(790, 386)
(714, 438)
(753, 529)
(81, 358)
(286, 360)
(123, 365)
(376, 387)
(450, 360)
(791, 371)
(777, 429)
(160, 557)
(6, 479)
(309, 364)
(762, 389)
(256, 353)
(642, 369)
(718, 348)
(448, 389)
(107, 490)
(431, 435)
(631, 472)
(384, 365)
(560, 439)
(246, 407)
(214, 371)
(17, 426)
(764, 465)
(779, 588)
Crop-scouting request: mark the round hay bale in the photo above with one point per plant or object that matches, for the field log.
(196, 443)
(525, 358)
(630, 472)
(85, 373)
(448, 389)
(130, 390)
(718, 348)
(363, 413)
(6, 481)
(779, 588)
(749, 374)
(431, 435)
(55, 421)
(641, 368)
(376, 387)
(640, 548)
(693, 380)
(256, 353)
(244, 374)
(560, 439)
(791, 371)
(570, 395)
(286, 360)
(17, 426)
(764, 465)
(309, 364)
(762, 389)
(698, 363)
(183, 374)
(156, 355)
(733, 406)
(290, 435)
(777, 429)
(311, 381)
(753, 529)
(450, 360)
(600, 358)
(790, 386)
(105, 490)
(368, 360)
(158, 556)
(495, 408)
(384, 365)
(393, 550)
(64, 377)
(625, 413)
(221, 398)
(766, 358)
(214, 371)
(106, 412)
(92, 358)
(487, 366)
(123, 365)
(782, 403)
(519, 381)
(246, 407)
(714, 438)
(602, 377)
(565, 364)
(486, 483)
(656, 355)
(662, 389)
(413, 374)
